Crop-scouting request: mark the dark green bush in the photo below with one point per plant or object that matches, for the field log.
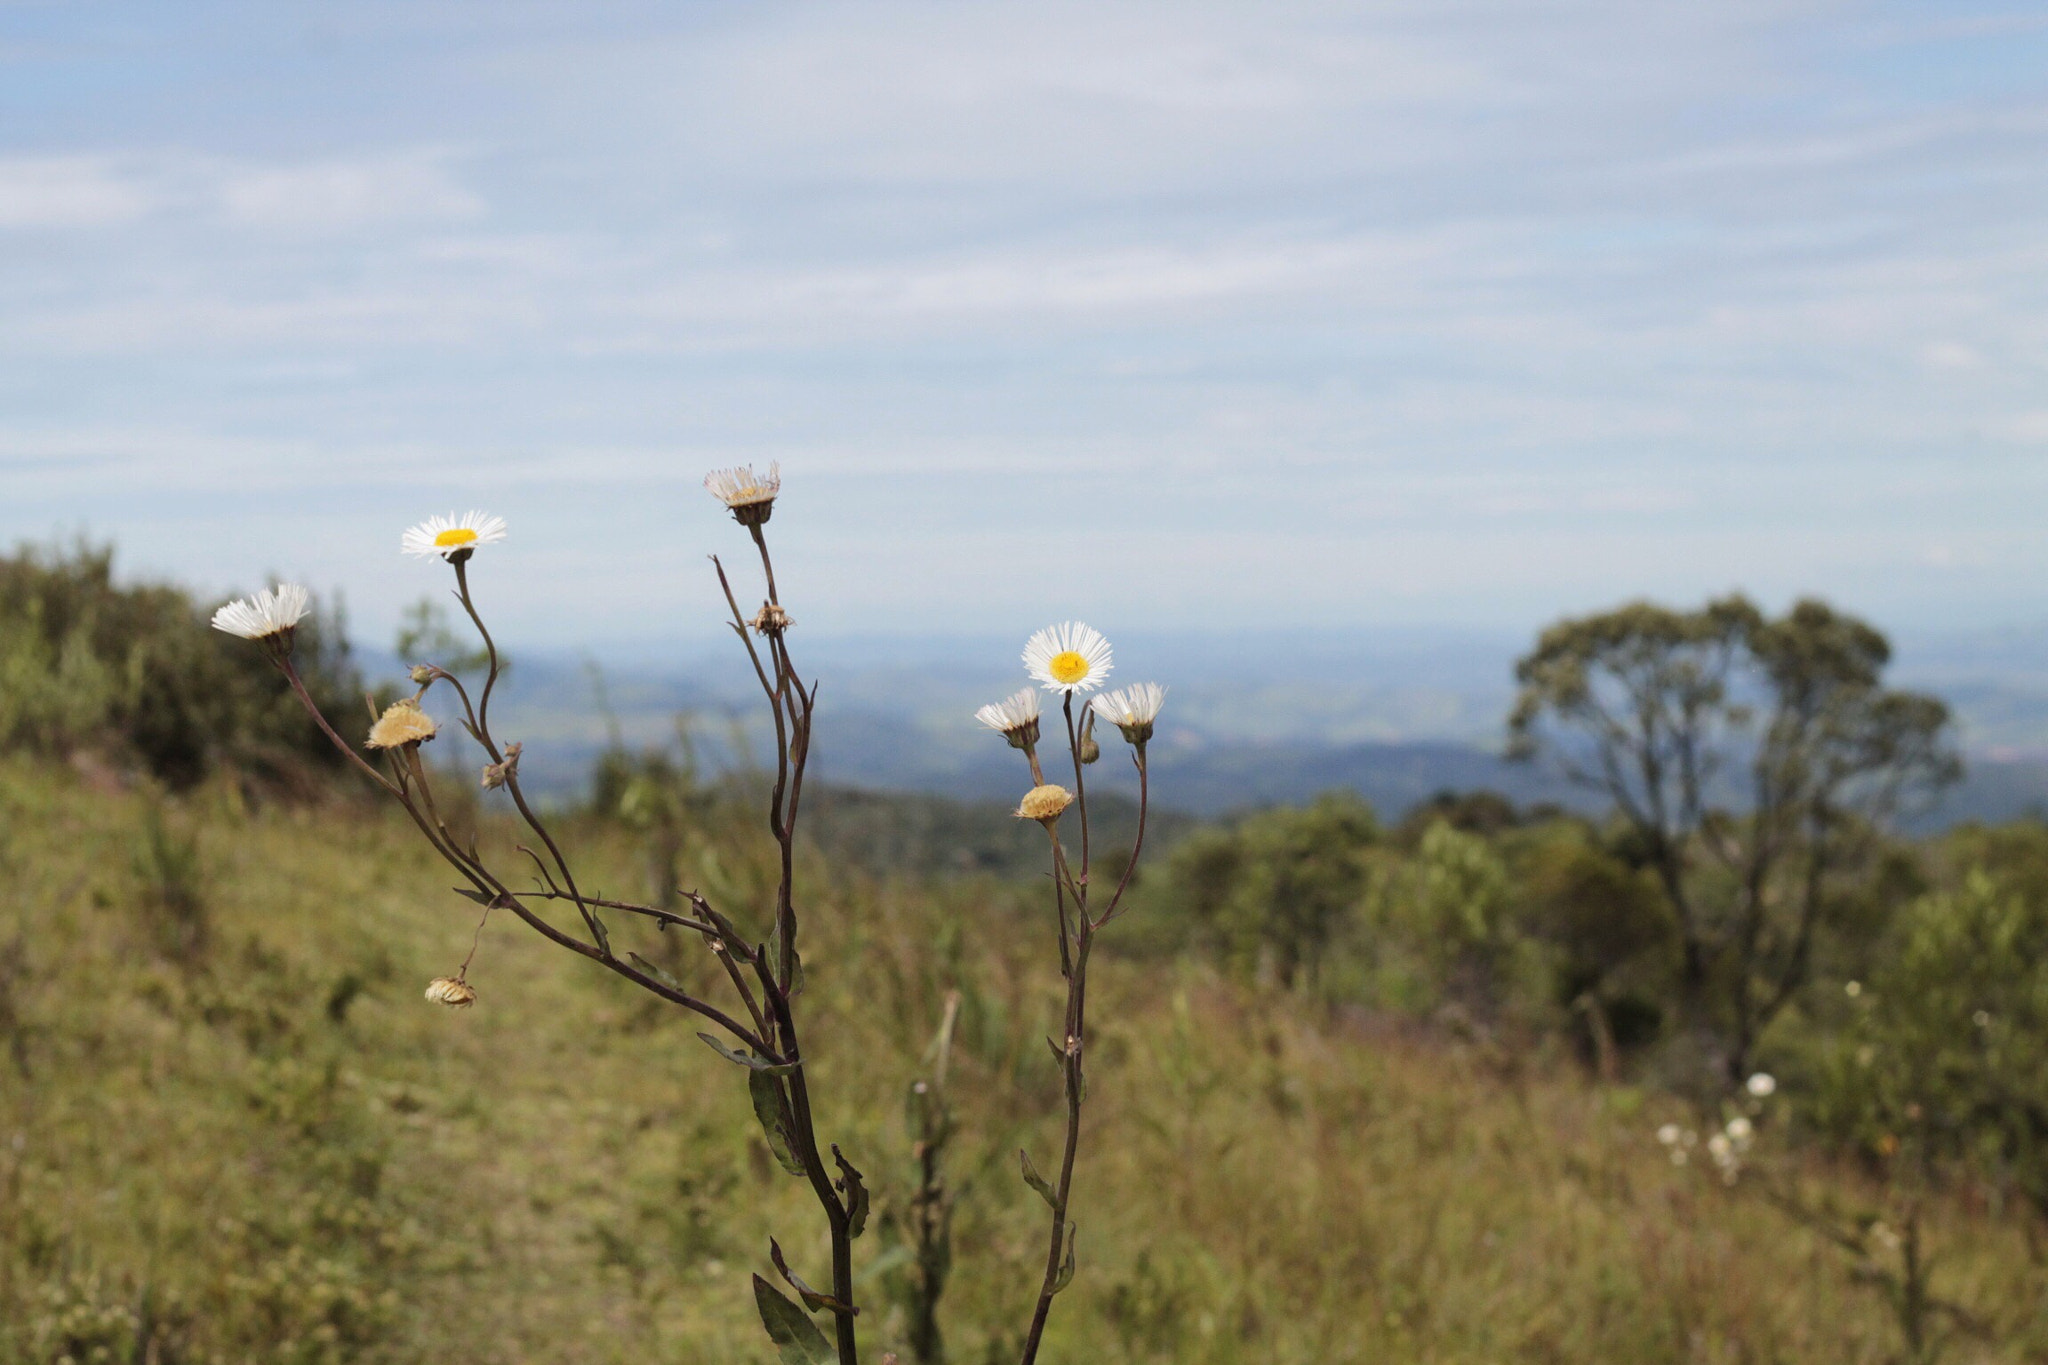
(135, 674)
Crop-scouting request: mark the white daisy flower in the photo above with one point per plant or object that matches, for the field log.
(1068, 658)
(750, 496)
(1012, 713)
(451, 535)
(1132, 709)
(273, 611)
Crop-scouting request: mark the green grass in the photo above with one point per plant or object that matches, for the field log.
(271, 1148)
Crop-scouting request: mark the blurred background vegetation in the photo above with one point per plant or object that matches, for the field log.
(1368, 1087)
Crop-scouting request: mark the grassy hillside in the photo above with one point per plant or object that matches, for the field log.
(232, 1130)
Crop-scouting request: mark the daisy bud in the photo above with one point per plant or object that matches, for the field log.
(1014, 717)
(750, 497)
(270, 616)
(1089, 749)
(422, 673)
(1045, 804)
(497, 774)
(402, 723)
(1132, 710)
(452, 992)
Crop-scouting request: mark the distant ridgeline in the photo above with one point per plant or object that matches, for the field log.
(131, 677)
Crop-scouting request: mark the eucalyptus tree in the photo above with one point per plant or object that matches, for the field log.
(1756, 763)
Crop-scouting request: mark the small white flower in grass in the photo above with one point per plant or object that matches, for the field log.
(1668, 1134)
(452, 535)
(1068, 658)
(1131, 709)
(273, 611)
(1741, 1130)
(1015, 718)
(749, 496)
(1762, 1085)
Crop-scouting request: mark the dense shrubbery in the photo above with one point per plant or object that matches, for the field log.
(133, 675)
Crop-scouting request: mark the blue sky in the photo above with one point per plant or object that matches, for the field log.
(1173, 316)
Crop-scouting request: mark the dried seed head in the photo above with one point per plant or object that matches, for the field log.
(402, 723)
(452, 992)
(497, 774)
(422, 673)
(1044, 804)
(771, 620)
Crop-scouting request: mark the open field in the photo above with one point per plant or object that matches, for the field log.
(237, 1133)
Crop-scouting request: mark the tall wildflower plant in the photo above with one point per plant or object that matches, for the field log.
(757, 1027)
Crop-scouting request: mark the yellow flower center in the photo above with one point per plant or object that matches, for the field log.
(1067, 667)
(453, 536)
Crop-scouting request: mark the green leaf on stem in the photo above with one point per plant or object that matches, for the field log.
(604, 940)
(849, 1184)
(796, 1337)
(1066, 1275)
(659, 973)
(772, 1109)
(1037, 1181)
(813, 1299)
(471, 894)
(758, 1065)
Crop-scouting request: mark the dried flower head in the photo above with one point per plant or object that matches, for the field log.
(451, 991)
(1015, 718)
(1068, 658)
(402, 723)
(1044, 804)
(1132, 710)
(269, 615)
(497, 774)
(751, 497)
(451, 535)
(771, 620)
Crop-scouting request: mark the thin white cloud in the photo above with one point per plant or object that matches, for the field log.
(346, 194)
(67, 192)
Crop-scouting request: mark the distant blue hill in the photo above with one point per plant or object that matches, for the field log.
(1397, 723)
